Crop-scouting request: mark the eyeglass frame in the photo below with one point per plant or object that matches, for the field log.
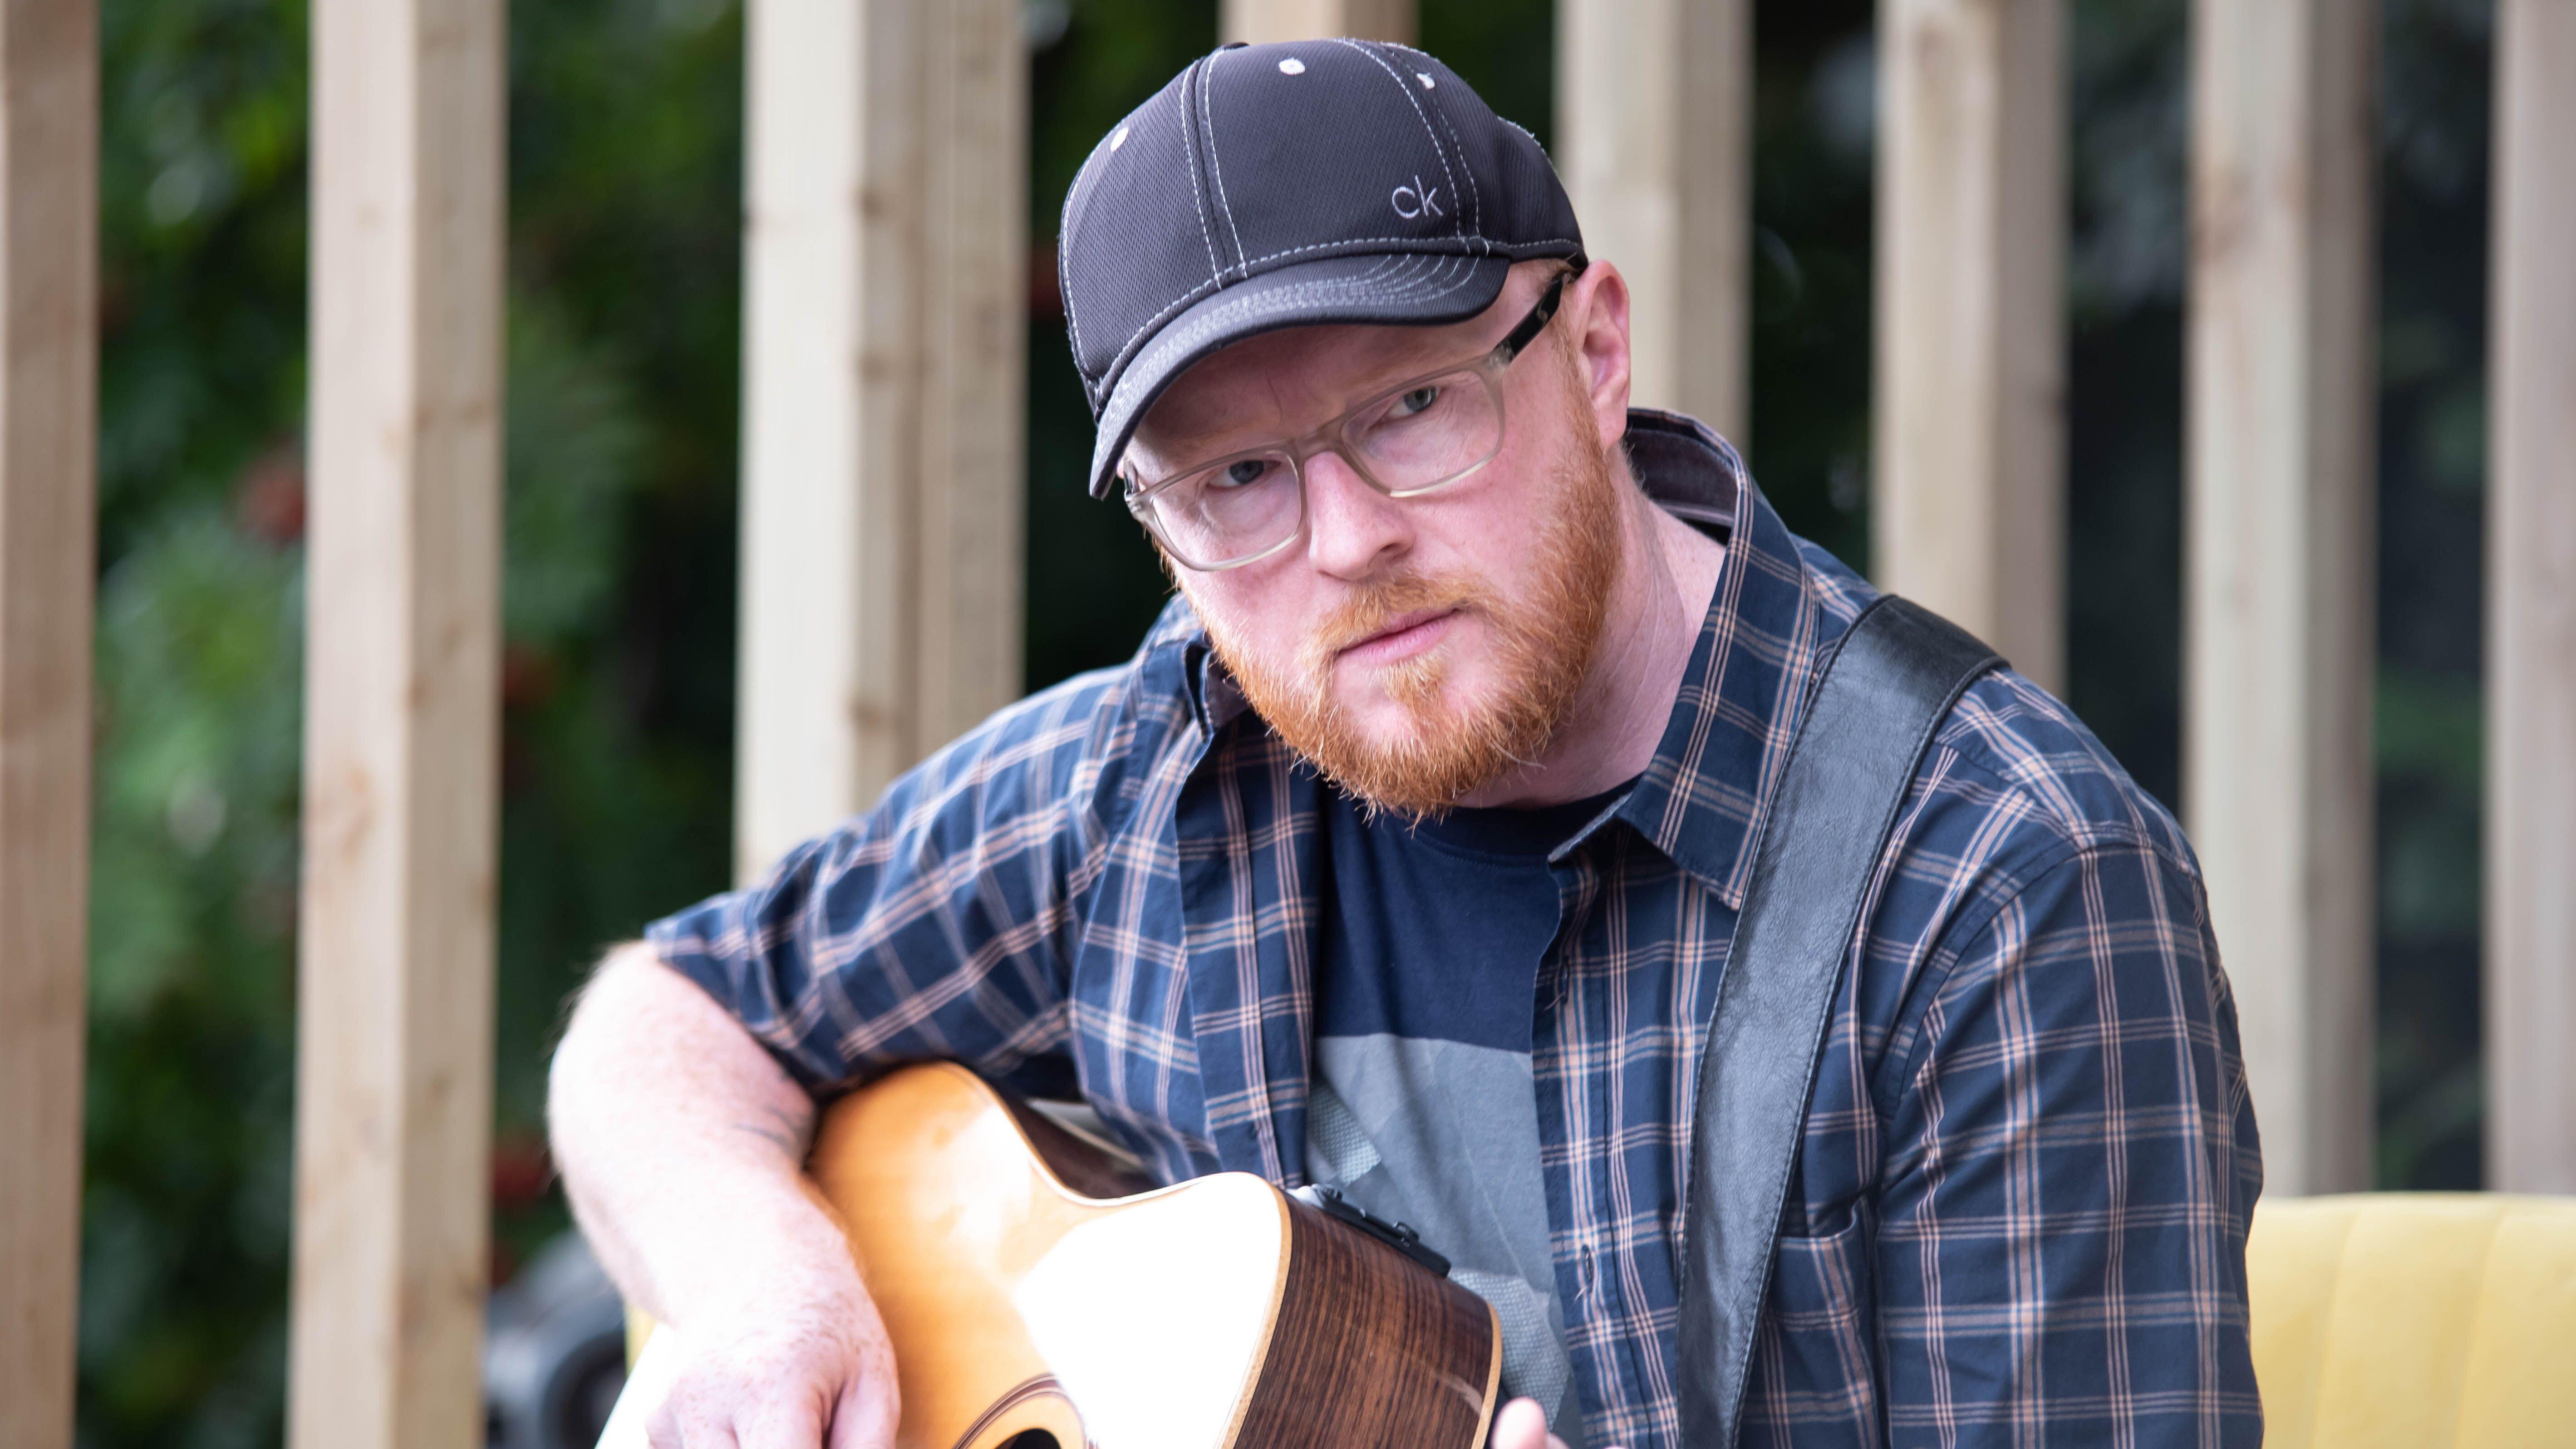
(1327, 437)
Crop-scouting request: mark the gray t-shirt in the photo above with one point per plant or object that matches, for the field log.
(1423, 1106)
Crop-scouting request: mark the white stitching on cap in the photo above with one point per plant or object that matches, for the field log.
(1216, 163)
(1486, 248)
(1063, 253)
(1064, 288)
(1282, 299)
(1128, 349)
(1297, 292)
(1275, 301)
(1533, 139)
(1198, 196)
(1474, 196)
(1428, 134)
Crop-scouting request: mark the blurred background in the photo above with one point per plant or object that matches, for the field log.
(624, 347)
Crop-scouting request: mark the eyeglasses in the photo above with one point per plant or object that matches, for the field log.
(1408, 440)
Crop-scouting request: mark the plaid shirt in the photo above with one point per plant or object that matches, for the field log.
(2029, 1163)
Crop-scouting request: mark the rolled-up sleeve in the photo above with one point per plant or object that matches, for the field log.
(937, 925)
(2070, 1176)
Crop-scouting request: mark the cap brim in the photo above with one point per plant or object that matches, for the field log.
(1405, 289)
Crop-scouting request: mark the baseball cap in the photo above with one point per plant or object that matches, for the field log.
(1272, 186)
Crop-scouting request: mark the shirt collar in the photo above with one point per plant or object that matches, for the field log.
(1703, 798)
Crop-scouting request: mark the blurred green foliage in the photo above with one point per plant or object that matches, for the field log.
(625, 154)
(625, 146)
(2434, 115)
(194, 864)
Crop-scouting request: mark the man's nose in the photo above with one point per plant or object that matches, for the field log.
(1352, 530)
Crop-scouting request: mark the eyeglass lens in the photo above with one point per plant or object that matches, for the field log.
(1432, 432)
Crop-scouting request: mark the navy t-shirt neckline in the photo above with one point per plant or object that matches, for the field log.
(1511, 832)
(1434, 926)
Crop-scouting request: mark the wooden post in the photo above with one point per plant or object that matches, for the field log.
(48, 553)
(1262, 21)
(1655, 138)
(885, 357)
(2278, 530)
(394, 1027)
(2531, 609)
(1968, 511)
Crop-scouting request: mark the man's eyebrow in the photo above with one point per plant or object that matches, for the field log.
(1170, 445)
(1407, 354)
(1194, 438)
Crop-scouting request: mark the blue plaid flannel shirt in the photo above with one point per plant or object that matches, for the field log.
(2029, 1164)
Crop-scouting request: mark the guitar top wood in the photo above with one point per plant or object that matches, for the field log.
(1039, 1292)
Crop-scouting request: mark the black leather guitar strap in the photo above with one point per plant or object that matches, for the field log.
(1890, 681)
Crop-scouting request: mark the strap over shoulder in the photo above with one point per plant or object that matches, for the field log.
(1891, 680)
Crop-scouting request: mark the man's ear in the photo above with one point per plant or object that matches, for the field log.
(1596, 308)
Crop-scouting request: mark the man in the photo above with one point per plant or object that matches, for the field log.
(1406, 852)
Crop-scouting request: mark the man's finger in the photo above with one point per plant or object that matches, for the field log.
(677, 1425)
(1521, 1425)
(865, 1415)
(784, 1421)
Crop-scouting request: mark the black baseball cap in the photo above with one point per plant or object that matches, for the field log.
(1272, 186)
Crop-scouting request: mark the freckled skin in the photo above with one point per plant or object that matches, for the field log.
(1567, 393)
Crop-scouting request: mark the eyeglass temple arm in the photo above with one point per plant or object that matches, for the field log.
(1539, 316)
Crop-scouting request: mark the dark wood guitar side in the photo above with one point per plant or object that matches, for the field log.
(1039, 1292)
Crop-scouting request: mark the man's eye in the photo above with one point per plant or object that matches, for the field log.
(1244, 471)
(1417, 401)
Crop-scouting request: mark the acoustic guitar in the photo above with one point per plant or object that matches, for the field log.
(1042, 1294)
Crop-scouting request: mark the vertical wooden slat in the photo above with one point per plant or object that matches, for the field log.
(2531, 609)
(974, 364)
(1969, 440)
(394, 1062)
(882, 444)
(1654, 138)
(2278, 529)
(48, 410)
(1263, 21)
(827, 377)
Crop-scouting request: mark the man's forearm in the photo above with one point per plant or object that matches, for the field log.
(681, 1144)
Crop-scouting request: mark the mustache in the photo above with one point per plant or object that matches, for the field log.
(1380, 603)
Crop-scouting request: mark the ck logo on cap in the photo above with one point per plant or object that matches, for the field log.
(1417, 200)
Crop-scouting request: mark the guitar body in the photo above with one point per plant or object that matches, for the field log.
(1038, 1293)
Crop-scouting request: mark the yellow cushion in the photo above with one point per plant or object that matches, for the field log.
(2415, 1321)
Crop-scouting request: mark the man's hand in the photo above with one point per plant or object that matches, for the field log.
(682, 1146)
(790, 1369)
(1522, 1424)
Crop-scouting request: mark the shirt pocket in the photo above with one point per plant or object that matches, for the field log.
(1815, 1372)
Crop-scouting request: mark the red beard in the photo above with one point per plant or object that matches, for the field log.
(1544, 646)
